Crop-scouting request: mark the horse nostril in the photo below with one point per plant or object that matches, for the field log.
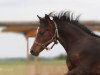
(31, 51)
(34, 53)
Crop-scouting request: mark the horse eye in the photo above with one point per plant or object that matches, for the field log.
(41, 33)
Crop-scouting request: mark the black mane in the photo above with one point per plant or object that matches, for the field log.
(68, 17)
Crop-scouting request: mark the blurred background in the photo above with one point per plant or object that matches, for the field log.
(18, 24)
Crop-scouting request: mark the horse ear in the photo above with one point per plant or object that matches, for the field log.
(39, 17)
(47, 17)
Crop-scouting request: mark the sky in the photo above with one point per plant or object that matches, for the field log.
(14, 44)
(26, 10)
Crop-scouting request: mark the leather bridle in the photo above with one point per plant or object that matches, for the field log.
(53, 39)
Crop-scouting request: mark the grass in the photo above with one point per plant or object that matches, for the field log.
(13, 67)
(23, 67)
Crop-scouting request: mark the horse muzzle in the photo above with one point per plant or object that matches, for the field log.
(34, 53)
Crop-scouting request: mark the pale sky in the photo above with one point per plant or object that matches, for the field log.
(26, 10)
(14, 45)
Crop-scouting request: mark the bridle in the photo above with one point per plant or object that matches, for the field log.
(53, 39)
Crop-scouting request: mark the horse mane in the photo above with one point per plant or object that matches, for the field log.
(68, 17)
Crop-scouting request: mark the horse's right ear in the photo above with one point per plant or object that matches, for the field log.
(39, 17)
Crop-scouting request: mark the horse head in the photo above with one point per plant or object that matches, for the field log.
(46, 34)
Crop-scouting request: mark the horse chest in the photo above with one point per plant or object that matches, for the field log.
(74, 57)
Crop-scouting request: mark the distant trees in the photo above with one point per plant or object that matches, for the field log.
(60, 57)
(31, 57)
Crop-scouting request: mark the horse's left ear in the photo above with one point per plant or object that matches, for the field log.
(39, 17)
(47, 17)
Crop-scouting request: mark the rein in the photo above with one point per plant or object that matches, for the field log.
(53, 39)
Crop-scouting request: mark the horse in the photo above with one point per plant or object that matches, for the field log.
(81, 44)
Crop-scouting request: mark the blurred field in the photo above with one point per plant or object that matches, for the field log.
(24, 67)
(13, 67)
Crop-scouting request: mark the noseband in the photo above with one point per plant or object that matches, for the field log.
(53, 39)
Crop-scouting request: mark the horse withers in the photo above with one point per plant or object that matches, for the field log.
(81, 45)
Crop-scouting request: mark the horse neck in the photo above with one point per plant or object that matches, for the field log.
(69, 35)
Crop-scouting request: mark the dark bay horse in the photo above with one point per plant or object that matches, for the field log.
(81, 44)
